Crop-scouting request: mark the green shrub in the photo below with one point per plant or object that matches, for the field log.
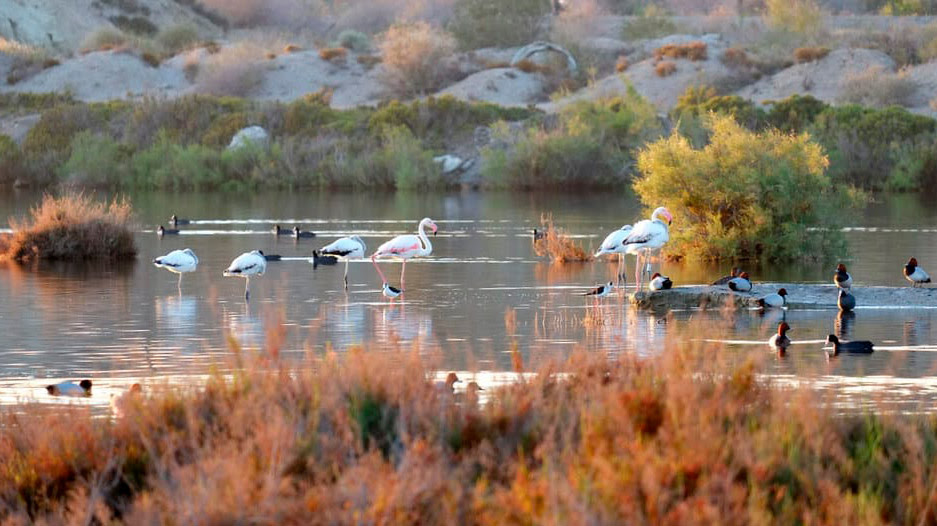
(591, 145)
(185, 119)
(57, 127)
(178, 37)
(653, 22)
(136, 25)
(908, 7)
(698, 101)
(105, 38)
(11, 160)
(915, 168)
(485, 23)
(743, 195)
(404, 157)
(11, 102)
(795, 113)
(354, 40)
(865, 143)
(95, 160)
(223, 129)
(167, 164)
(802, 17)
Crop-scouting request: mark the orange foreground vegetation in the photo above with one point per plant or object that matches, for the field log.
(365, 438)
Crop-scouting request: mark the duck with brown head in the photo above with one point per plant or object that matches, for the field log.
(915, 274)
(779, 341)
(841, 278)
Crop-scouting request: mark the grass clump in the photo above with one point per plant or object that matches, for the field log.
(591, 144)
(486, 23)
(801, 17)
(691, 51)
(354, 40)
(685, 436)
(178, 37)
(557, 245)
(665, 68)
(744, 194)
(878, 88)
(810, 54)
(416, 58)
(73, 227)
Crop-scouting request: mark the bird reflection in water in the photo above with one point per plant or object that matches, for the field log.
(177, 313)
(842, 327)
(246, 326)
(403, 323)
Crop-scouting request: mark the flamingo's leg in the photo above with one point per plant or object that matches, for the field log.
(403, 268)
(379, 273)
(346, 274)
(637, 270)
(247, 289)
(179, 286)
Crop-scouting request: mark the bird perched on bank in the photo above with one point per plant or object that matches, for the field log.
(659, 282)
(389, 291)
(248, 264)
(846, 301)
(725, 279)
(347, 248)
(302, 234)
(841, 278)
(915, 274)
(780, 342)
(774, 300)
(852, 347)
(601, 291)
(740, 283)
(448, 387)
(160, 231)
(82, 388)
(179, 262)
(175, 221)
(613, 245)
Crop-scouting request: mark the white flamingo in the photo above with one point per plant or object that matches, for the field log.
(647, 235)
(347, 248)
(248, 264)
(179, 262)
(406, 247)
(613, 245)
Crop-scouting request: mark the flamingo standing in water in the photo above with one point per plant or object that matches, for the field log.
(406, 247)
(179, 262)
(351, 247)
(647, 235)
(613, 245)
(248, 264)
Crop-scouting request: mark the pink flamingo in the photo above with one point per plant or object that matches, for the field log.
(405, 247)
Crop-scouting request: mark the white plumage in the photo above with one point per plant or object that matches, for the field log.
(82, 388)
(659, 282)
(347, 248)
(390, 292)
(246, 265)
(646, 235)
(613, 244)
(179, 262)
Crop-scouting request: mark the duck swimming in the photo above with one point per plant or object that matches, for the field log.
(160, 231)
(82, 388)
(175, 221)
(302, 234)
(852, 347)
(780, 342)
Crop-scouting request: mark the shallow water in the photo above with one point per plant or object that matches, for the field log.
(481, 293)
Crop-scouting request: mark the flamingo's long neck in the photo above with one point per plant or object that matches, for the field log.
(427, 246)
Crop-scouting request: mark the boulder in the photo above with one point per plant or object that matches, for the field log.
(253, 135)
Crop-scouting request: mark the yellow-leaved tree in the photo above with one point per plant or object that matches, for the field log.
(745, 194)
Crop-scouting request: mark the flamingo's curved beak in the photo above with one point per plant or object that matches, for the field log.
(435, 229)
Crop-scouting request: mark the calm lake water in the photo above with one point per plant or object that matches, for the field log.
(482, 292)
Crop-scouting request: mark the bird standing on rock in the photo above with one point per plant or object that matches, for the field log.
(774, 300)
(915, 274)
(740, 283)
(725, 279)
(659, 282)
(841, 278)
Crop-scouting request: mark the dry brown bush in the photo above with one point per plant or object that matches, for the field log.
(529, 66)
(621, 64)
(250, 13)
(416, 58)
(691, 51)
(333, 54)
(368, 61)
(554, 242)
(73, 227)
(665, 68)
(810, 54)
(879, 88)
(735, 57)
(233, 71)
